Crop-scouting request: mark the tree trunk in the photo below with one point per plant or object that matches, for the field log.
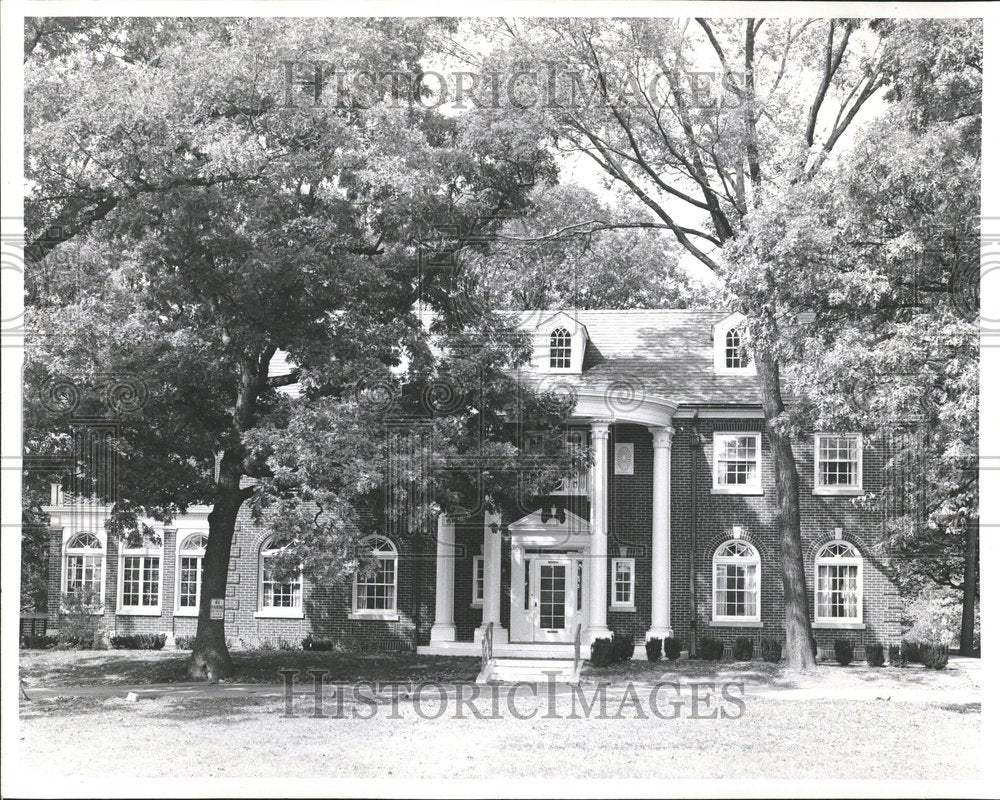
(798, 631)
(970, 591)
(210, 656)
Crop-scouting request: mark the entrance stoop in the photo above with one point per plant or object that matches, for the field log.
(530, 670)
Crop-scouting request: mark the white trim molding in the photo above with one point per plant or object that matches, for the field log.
(622, 605)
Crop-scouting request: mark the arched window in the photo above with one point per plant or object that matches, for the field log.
(139, 585)
(375, 587)
(736, 566)
(280, 595)
(190, 560)
(84, 556)
(736, 353)
(560, 349)
(838, 583)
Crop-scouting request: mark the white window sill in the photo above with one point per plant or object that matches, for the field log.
(96, 613)
(279, 613)
(746, 490)
(186, 612)
(621, 608)
(838, 626)
(149, 611)
(734, 623)
(838, 491)
(475, 605)
(383, 616)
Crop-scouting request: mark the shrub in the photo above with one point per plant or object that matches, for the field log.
(712, 648)
(184, 642)
(875, 655)
(138, 641)
(601, 654)
(38, 641)
(79, 620)
(743, 648)
(770, 650)
(843, 651)
(654, 649)
(672, 648)
(316, 644)
(911, 652)
(935, 656)
(896, 657)
(622, 647)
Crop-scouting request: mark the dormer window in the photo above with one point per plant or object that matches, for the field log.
(560, 349)
(730, 344)
(736, 354)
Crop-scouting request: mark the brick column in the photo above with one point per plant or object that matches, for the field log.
(660, 618)
(599, 532)
(443, 629)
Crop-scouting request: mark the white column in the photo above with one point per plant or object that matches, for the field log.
(599, 532)
(491, 580)
(443, 629)
(660, 622)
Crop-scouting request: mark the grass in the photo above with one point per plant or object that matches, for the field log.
(126, 667)
(249, 736)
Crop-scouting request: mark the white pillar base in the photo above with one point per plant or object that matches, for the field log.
(595, 633)
(500, 634)
(659, 633)
(442, 632)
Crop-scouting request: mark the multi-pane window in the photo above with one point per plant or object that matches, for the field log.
(189, 568)
(85, 566)
(279, 592)
(478, 580)
(140, 577)
(736, 566)
(838, 583)
(560, 349)
(577, 483)
(375, 585)
(737, 462)
(736, 352)
(838, 463)
(623, 583)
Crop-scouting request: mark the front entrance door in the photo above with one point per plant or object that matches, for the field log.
(555, 594)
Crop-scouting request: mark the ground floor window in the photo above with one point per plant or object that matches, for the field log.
(280, 594)
(478, 580)
(84, 567)
(736, 567)
(140, 582)
(189, 569)
(623, 588)
(375, 585)
(838, 583)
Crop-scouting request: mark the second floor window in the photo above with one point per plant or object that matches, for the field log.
(838, 463)
(737, 463)
(560, 349)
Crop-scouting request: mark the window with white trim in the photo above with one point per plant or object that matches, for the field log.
(838, 583)
(736, 567)
(736, 463)
(375, 587)
(84, 555)
(579, 482)
(280, 594)
(623, 583)
(139, 584)
(190, 562)
(837, 463)
(560, 349)
(736, 353)
(478, 580)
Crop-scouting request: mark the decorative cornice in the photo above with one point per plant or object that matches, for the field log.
(662, 436)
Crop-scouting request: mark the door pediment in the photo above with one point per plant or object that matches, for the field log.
(530, 531)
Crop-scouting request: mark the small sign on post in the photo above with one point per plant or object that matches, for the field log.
(218, 610)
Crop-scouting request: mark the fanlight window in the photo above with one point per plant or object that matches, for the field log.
(84, 565)
(277, 594)
(375, 589)
(736, 566)
(560, 349)
(189, 571)
(838, 583)
(736, 353)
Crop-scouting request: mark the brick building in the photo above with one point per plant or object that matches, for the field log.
(671, 532)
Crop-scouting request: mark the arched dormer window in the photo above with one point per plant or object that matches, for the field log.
(736, 353)
(560, 349)
(736, 567)
(280, 596)
(84, 567)
(374, 592)
(839, 572)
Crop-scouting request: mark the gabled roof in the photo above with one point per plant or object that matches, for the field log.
(668, 353)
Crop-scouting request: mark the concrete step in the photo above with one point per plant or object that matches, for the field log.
(530, 670)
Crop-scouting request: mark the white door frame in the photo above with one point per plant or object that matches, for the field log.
(524, 590)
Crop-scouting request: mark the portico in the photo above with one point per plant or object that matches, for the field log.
(559, 563)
